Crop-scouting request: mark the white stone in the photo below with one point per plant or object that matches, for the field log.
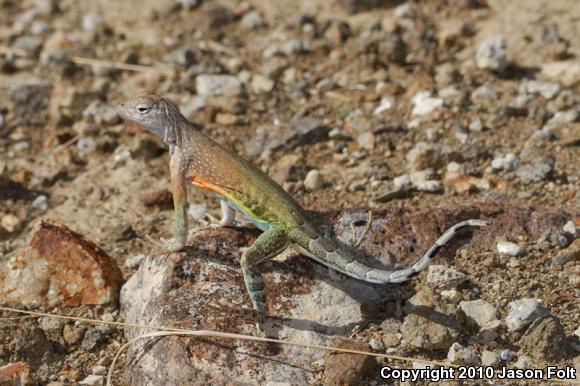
(376, 345)
(431, 186)
(523, 312)
(423, 103)
(10, 222)
(492, 54)
(548, 90)
(565, 72)
(252, 20)
(40, 203)
(386, 103)
(509, 248)
(460, 354)
(261, 83)
(93, 380)
(218, 85)
(313, 181)
(478, 311)
(197, 212)
(402, 181)
(524, 362)
(507, 162)
(490, 358)
(570, 227)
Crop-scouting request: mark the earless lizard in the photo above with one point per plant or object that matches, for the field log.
(196, 158)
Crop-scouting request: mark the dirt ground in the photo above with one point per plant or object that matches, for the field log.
(300, 64)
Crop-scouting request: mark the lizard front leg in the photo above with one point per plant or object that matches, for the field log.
(179, 190)
(266, 246)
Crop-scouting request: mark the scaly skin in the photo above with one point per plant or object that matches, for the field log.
(243, 187)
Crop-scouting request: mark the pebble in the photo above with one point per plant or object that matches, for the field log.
(423, 103)
(11, 223)
(490, 358)
(73, 335)
(548, 90)
(523, 312)
(509, 248)
(101, 113)
(453, 295)
(366, 140)
(90, 22)
(313, 180)
(134, 261)
(40, 203)
(492, 54)
(261, 83)
(93, 380)
(475, 125)
(507, 162)
(562, 117)
(385, 104)
(252, 20)
(486, 91)
(444, 275)
(402, 181)
(376, 345)
(460, 354)
(30, 44)
(86, 145)
(538, 170)
(431, 186)
(524, 362)
(218, 85)
(570, 228)
(478, 311)
(506, 355)
(99, 370)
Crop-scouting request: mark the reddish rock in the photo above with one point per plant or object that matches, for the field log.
(59, 268)
(348, 369)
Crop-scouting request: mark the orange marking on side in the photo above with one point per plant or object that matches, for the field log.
(207, 185)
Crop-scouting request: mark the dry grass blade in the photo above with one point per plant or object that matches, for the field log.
(120, 65)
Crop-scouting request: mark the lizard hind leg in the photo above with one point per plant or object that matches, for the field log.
(267, 245)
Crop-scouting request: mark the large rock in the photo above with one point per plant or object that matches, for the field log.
(59, 268)
(305, 303)
(545, 340)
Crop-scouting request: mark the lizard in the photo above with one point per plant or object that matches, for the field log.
(242, 187)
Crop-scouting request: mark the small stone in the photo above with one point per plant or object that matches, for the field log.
(93, 380)
(376, 345)
(92, 337)
(485, 92)
(391, 332)
(545, 339)
(490, 358)
(86, 145)
(261, 83)
(566, 72)
(453, 295)
(134, 260)
(423, 103)
(538, 170)
(570, 228)
(386, 103)
(11, 223)
(506, 355)
(509, 248)
(431, 186)
(366, 140)
(101, 113)
(524, 362)
(402, 181)
(507, 162)
(51, 326)
(476, 126)
(460, 354)
(478, 312)
(547, 90)
(91, 22)
(443, 275)
(40, 203)
(73, 335)
(218, 85)
(523, 312)
(313, 180)
(30, 44)
(252, 20)
(492, 54)
(99, 370)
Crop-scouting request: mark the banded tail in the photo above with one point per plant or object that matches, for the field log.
(330, 253)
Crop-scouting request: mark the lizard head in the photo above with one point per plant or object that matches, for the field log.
(153, 113)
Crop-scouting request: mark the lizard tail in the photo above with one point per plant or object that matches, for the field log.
(327, 253)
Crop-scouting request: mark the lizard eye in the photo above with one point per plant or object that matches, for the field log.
(142, 109)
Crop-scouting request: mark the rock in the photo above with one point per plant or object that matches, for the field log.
(92, 337)
(40, 203)
(524, 362)
(429, 156)
(506, 355)
(431, 186)
(93, 380)
(571, 228)
(30, 98)
(386, 104)
(523, 312)
(376, 345)
(52, 328)
(252, 20)
(218, 85)
(538, 170)
(429, 324)
(545, 340)
(366, 140)
(313, 180)
(270, 138)
(67, 269)
(490, 358)
(509, 248)
(73, 335)
(391, 332)
(403, 181)
(261, 83)
(30, 44)
(492, 54)
(565, 72)
(423, 103)
(11, 223)
(183, 57)
(547, 90)
(485, 92)
(507, 162)
(347, 369)
(561, 118)
(438, 275)
(459, 354)
(476, 126)
(478, 312)
(134, 261)
(91, 22)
